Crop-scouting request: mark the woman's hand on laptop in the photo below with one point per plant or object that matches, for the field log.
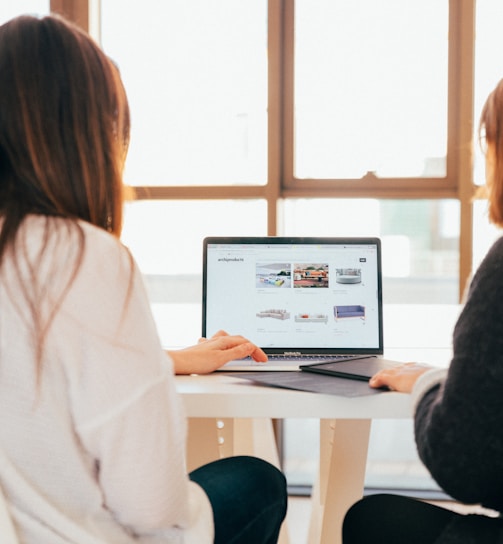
(400, 378)
(209, 354)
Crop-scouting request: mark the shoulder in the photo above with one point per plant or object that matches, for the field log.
(39, 232)
(105, 263)
(92, 246)
(487, 278)
(72, 253)
(493, 258)
(102, 247)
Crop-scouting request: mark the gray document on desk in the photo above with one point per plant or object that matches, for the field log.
(315, 383)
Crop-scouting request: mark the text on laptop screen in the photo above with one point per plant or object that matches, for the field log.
(299, 295)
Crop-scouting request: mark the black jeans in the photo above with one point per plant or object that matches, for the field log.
(394, 519)
(248, 496)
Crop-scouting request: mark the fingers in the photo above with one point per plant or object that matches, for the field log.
(259, 355)
(231, 347)
(251, 350)
(226, 341)
(379, 380)
(239, 347)
(375, 381)
(400, 378)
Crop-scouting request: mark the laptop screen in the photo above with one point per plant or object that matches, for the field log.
(307, 295)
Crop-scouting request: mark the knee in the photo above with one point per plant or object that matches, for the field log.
(254, 473)
(370, 504)
(361, 521)
(265, 475)
(263, 484)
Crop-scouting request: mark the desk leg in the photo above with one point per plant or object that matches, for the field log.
(202, 442)
(341, 476)
(210, 439)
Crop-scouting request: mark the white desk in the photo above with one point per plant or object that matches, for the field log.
(230, 416)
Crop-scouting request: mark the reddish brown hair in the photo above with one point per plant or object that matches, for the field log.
(491, 133)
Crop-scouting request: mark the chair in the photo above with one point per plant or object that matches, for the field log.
(7, 532)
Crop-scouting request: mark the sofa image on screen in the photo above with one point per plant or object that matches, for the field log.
(342, 312)
(311, 318)
(348, 275)
(276, 314)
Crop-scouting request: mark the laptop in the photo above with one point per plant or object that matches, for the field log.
(303, 300)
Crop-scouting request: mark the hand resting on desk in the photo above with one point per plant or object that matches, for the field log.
(400, 378)
(212, 353)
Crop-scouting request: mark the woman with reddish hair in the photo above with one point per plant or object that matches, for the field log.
(458, 412)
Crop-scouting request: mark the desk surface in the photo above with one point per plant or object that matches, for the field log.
(223, 395)
(219, 395)
(414, 333)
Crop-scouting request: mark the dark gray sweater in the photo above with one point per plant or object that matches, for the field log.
(459, 424)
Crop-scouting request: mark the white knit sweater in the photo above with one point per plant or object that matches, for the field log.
(93, 451)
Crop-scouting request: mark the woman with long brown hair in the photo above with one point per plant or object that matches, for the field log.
(92, 433)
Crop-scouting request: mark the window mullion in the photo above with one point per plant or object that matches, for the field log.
(76, 11)
(461, 99)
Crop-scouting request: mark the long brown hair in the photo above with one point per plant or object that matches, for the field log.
(64, 126)
(64, 133)
(491, 134)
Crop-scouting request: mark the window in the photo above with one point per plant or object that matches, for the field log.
(302, 117)
(196, 77)
(166, 239)
(8, 10)
(419, 239)
(215, 112)
(258, 119)
(370, 88)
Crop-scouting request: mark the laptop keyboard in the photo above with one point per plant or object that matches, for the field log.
(312, 358)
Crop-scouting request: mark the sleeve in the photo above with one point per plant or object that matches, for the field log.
(458, 421)
(127, 413)
(425, 382)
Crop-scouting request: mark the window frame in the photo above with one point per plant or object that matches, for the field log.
(281, 182)
(369, 184)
